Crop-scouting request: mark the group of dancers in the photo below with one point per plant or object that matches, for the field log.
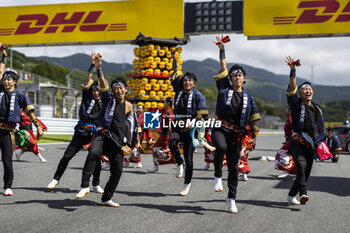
(108, 126)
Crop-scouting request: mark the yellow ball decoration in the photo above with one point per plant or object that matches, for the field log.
(150, 59)
(154, 53)
(153, 81)
(161, 52)
(157, 59)
(179, 50)
(142, 92)
(146, 64)
(150, 47)
(152, 94)
(148, 87)
(149, 72)
(165, 48)
(161, 65)
(156, 87)
(153, 65)
(169, 66)
(154, 105)
(147, 104)
(156, 72)
(160, 105)
(164, 87)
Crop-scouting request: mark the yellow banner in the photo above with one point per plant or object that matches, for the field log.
(297, 18)
(89, 23)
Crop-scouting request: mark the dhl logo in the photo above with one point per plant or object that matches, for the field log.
(317, 12)
(34, 23)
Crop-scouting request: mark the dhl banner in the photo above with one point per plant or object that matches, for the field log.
(296, 18)
(89, 23)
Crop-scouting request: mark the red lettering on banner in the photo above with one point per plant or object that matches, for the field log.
(34, 23)
(309, 16)
(60, 19)
(344, 17)
(25, 28)
(92, 18)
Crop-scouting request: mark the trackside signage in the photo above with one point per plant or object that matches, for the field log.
(98, 22)
(296, 18)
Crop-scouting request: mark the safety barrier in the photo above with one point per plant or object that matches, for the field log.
(59, 125)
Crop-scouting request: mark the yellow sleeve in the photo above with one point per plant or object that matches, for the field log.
(28, 109)
(106, 88)
(221, 75)
(289, 92)
(88, 85)
(254, 117)
(175, 75)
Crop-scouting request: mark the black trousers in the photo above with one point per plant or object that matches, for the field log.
(227, 143)
(6, 157)
(104, 145)
(73, 148)
(175, 137)
(303, 158)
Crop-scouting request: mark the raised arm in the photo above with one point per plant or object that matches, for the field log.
(292, 78)
(98, 65)
(222, 57)
(2, 60)
(88, 79)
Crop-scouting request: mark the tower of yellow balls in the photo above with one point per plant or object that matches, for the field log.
(149, 82)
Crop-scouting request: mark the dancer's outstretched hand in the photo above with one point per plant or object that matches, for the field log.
(291, 63)
(219, 42)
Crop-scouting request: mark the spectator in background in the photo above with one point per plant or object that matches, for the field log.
(333, 144)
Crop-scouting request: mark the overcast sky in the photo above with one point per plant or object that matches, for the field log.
(329, 57)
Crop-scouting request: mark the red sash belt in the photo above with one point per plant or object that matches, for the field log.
(230, 126)
(7, 126)
(301, 140)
